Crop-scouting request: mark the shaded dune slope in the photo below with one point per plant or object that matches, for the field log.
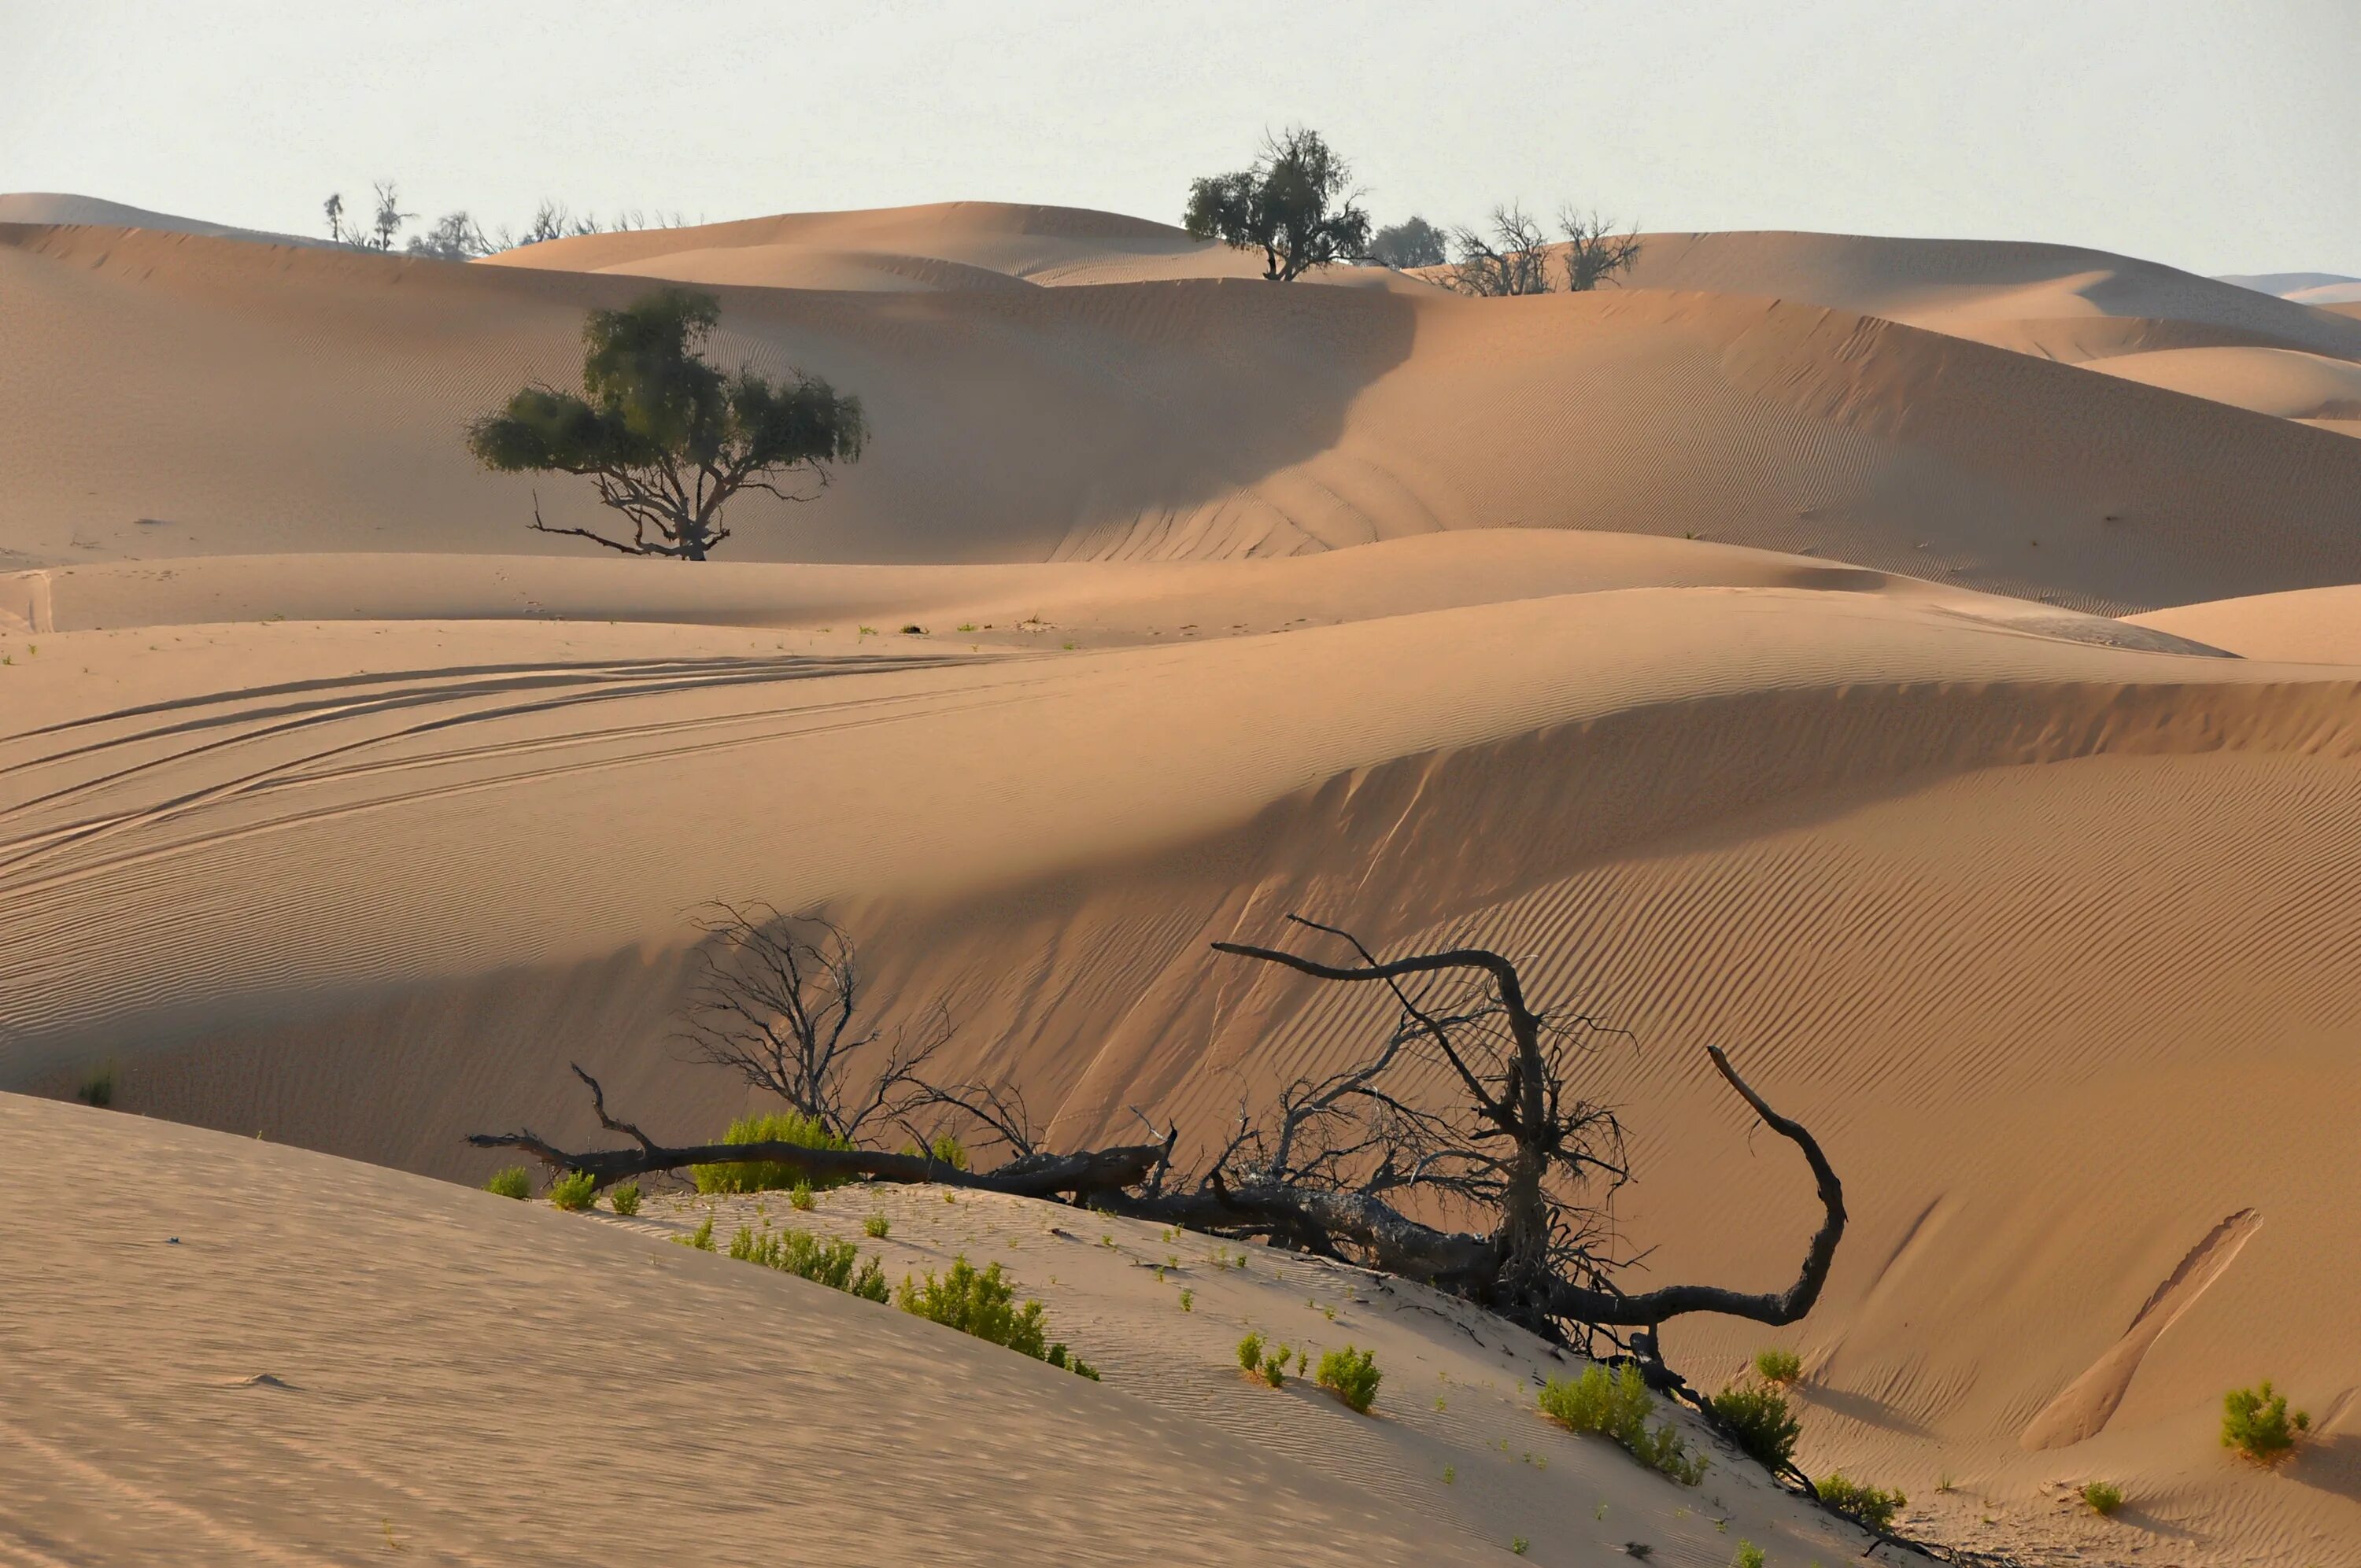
(310, 400)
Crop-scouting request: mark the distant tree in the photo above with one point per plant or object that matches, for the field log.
(1508, 255)
(667, 437)
(1295, 205)
(1511, 255)
(453, 237)
(1413, 242)
(386, 223)
(1594, 253)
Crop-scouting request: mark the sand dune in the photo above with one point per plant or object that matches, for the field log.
(312, 401)
(54, 207)
(333, 808)
(2268, 380)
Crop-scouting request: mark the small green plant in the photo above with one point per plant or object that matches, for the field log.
(2103, 1498)
(1520, 1545)
(967, 626)
(1450, 1474)
(1274, 1367)
(625, 1198)
(985, 1304)
(511, 1183)
(2256, 1421)
(1250, 1353)
(1855, 1500)
(1188, 1300)
(1761, 1421)
(1439, 1404)
(876, 1227)
(1058, 1355)
(1352, 1376)
(942, 1148)
(800, 1197)
(799, 1252)
(1616, 1406)
(765, 1176)
(700, 1238)
(574, 1192)
(1749, 1556)
(1330, 1312)
(98, 1089)
(1777, 1366)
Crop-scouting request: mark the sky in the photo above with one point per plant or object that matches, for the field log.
(2220, 135)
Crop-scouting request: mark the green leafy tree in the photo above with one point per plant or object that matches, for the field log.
(1295, 205)
(666, 436)
(1413, 242)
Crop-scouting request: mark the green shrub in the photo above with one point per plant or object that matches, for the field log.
(1061, 1357)
(1749, 1556)
(766, 1176)
(1250, 1353)
(626, 1199)
(1855, 1500)
(1274, 1367)
(985, 1305)
(1352, 1376)
(943, 1148)
(2103, 1498)
(876, 1227)
(98, 1089)
(1761, 1421)
(574, 1192)
(700, 1238)
(1188, 1300)
(1616, 1406)
(2255, 1423)
(511, 1183)
(800, 1197)
(1520, 1545)
(1776, 1364)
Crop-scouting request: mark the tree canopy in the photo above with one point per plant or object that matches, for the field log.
(1413, 242)
(668, 437)
(1295, 205)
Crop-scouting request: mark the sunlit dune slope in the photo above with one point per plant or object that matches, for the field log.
(307, 400)
(2268, 381)
(390, 876)
(2047, 298)
(450, 1378)
(2319, 625)
(974, 244)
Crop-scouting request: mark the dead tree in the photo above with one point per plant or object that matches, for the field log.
(1594, 252)
(1364, 1164)
(1509, 256)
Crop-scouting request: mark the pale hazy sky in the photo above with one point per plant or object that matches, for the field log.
(2214, 135)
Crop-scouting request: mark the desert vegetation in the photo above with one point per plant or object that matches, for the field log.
(1615, 1404)
(1327, 1169)
(1413, 242)
(1759, 1420)
(1866, 1505)
(510, 1181)
(806, 1257)
(985, 1304)
(1294, 203)
(2102, 1497)
(2255, 1423)
(669, 438)
(1509, 253)
(1352, 1376)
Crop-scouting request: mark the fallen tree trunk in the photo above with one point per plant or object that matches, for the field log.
(1034, 1176)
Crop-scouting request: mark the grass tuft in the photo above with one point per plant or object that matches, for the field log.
(1761, 1421)
(1616, 1406)
(1859, 1501)
(98, 1089)
(511, 1183)
(767, 1176)
(2102, 1498)
(1778, 1366)
(700, 1238)
(1352, 1376)
(574, 1192)
(626, 1199)
(2256, 1421)
(876, 1227)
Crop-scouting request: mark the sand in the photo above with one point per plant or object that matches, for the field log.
(335, 808)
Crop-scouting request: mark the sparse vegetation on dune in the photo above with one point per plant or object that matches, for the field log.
(510, 1182)
(625, 1198)
(1352, 1376)
(1761, 1423)
(1778, 1366)
(808, 1256)
(768, 1176)
(97, 1087)
(574, 1192)
(1865, 1504)
(2258, 1423)
(1617, 1405)
(985, 1304)
(2102, 1497)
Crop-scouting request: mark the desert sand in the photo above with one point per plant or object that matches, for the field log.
(1738, 648)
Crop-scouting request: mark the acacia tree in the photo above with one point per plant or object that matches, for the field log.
(1295, 205)
(1367, 1164)
(1413, 242)
(667, 437)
